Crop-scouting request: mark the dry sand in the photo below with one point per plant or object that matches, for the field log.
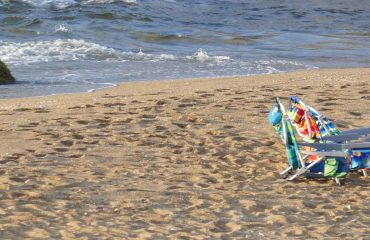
(192, 159)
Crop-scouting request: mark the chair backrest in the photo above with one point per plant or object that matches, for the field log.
(304, 122)
(326, 127)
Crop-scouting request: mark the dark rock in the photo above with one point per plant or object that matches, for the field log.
(5, 75)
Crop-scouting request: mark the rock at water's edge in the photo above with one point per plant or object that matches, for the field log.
(5, 75)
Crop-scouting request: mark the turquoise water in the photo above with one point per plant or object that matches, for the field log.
(66, 46)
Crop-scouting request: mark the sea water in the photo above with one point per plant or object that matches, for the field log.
(64, 46)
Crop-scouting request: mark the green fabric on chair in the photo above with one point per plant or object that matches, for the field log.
(330, 167)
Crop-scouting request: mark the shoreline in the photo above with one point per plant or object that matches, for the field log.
(185, 80)
(176, 158)
(114, 85)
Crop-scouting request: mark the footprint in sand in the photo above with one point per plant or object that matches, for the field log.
(14, 156)
(78, 136)
(82, 122)
(202, 185)
(326, 99)
(67, 143)
(364, 92)
(306, 88)
(75, 107)
(148, 117)
(127, 120)
(19, 179)
(238, 98)
(109, 96)
(181, 124)
(161, 102)
(41, 110)
(136, 102)
(23, 109)
(206, 95)
(186, 104)
(160, 128)
(63, 123)
(223, 90)
(341, 123)
(200, 92)
(328, 104)
(75, 156)
(102, 123)
(220, 226)
(30, 125)
(345, 86)
(89, 106)
(39, 155)
(356, 114)
(323, 109)
(61, 149)
(115, 104)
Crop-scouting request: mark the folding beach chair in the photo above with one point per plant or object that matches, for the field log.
(309, 123)
(315, 127)
(320, 163)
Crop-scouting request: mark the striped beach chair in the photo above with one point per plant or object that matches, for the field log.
(314, 127)
(321, 163)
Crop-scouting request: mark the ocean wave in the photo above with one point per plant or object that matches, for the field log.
(108, 1)
(282, 65)
(62, 28)
(202, 56)
(55, 50)
(81, 50)
(71, 50)
(67, 50)
(141, 56)
(61, 3)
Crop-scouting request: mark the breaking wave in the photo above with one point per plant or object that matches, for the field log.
(54, 50)
(61, 3)
(81, 50)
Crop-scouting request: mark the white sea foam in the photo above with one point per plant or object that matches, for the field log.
(108, 1)
(62, 28)
(70, 50)
(57, 3)
(167, 57)
(282, 65)
(202, 56)
(63, 3)
(142, 56)
(66, 50)
(55, 50)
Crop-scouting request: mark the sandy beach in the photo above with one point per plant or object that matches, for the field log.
(184, 159)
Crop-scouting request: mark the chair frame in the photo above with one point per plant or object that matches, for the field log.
(348, 136)
(303, 154)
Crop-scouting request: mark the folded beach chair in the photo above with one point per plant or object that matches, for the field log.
(321, 163)
(309, 123)
(315, 127)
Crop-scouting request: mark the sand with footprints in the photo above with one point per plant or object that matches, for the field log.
(192, 159)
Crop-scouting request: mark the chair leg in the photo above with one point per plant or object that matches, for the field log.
(364, 172)
(298, 173)
(305, 169)
(283, 173)
(337, 180)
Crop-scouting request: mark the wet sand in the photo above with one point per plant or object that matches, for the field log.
(192, 159)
